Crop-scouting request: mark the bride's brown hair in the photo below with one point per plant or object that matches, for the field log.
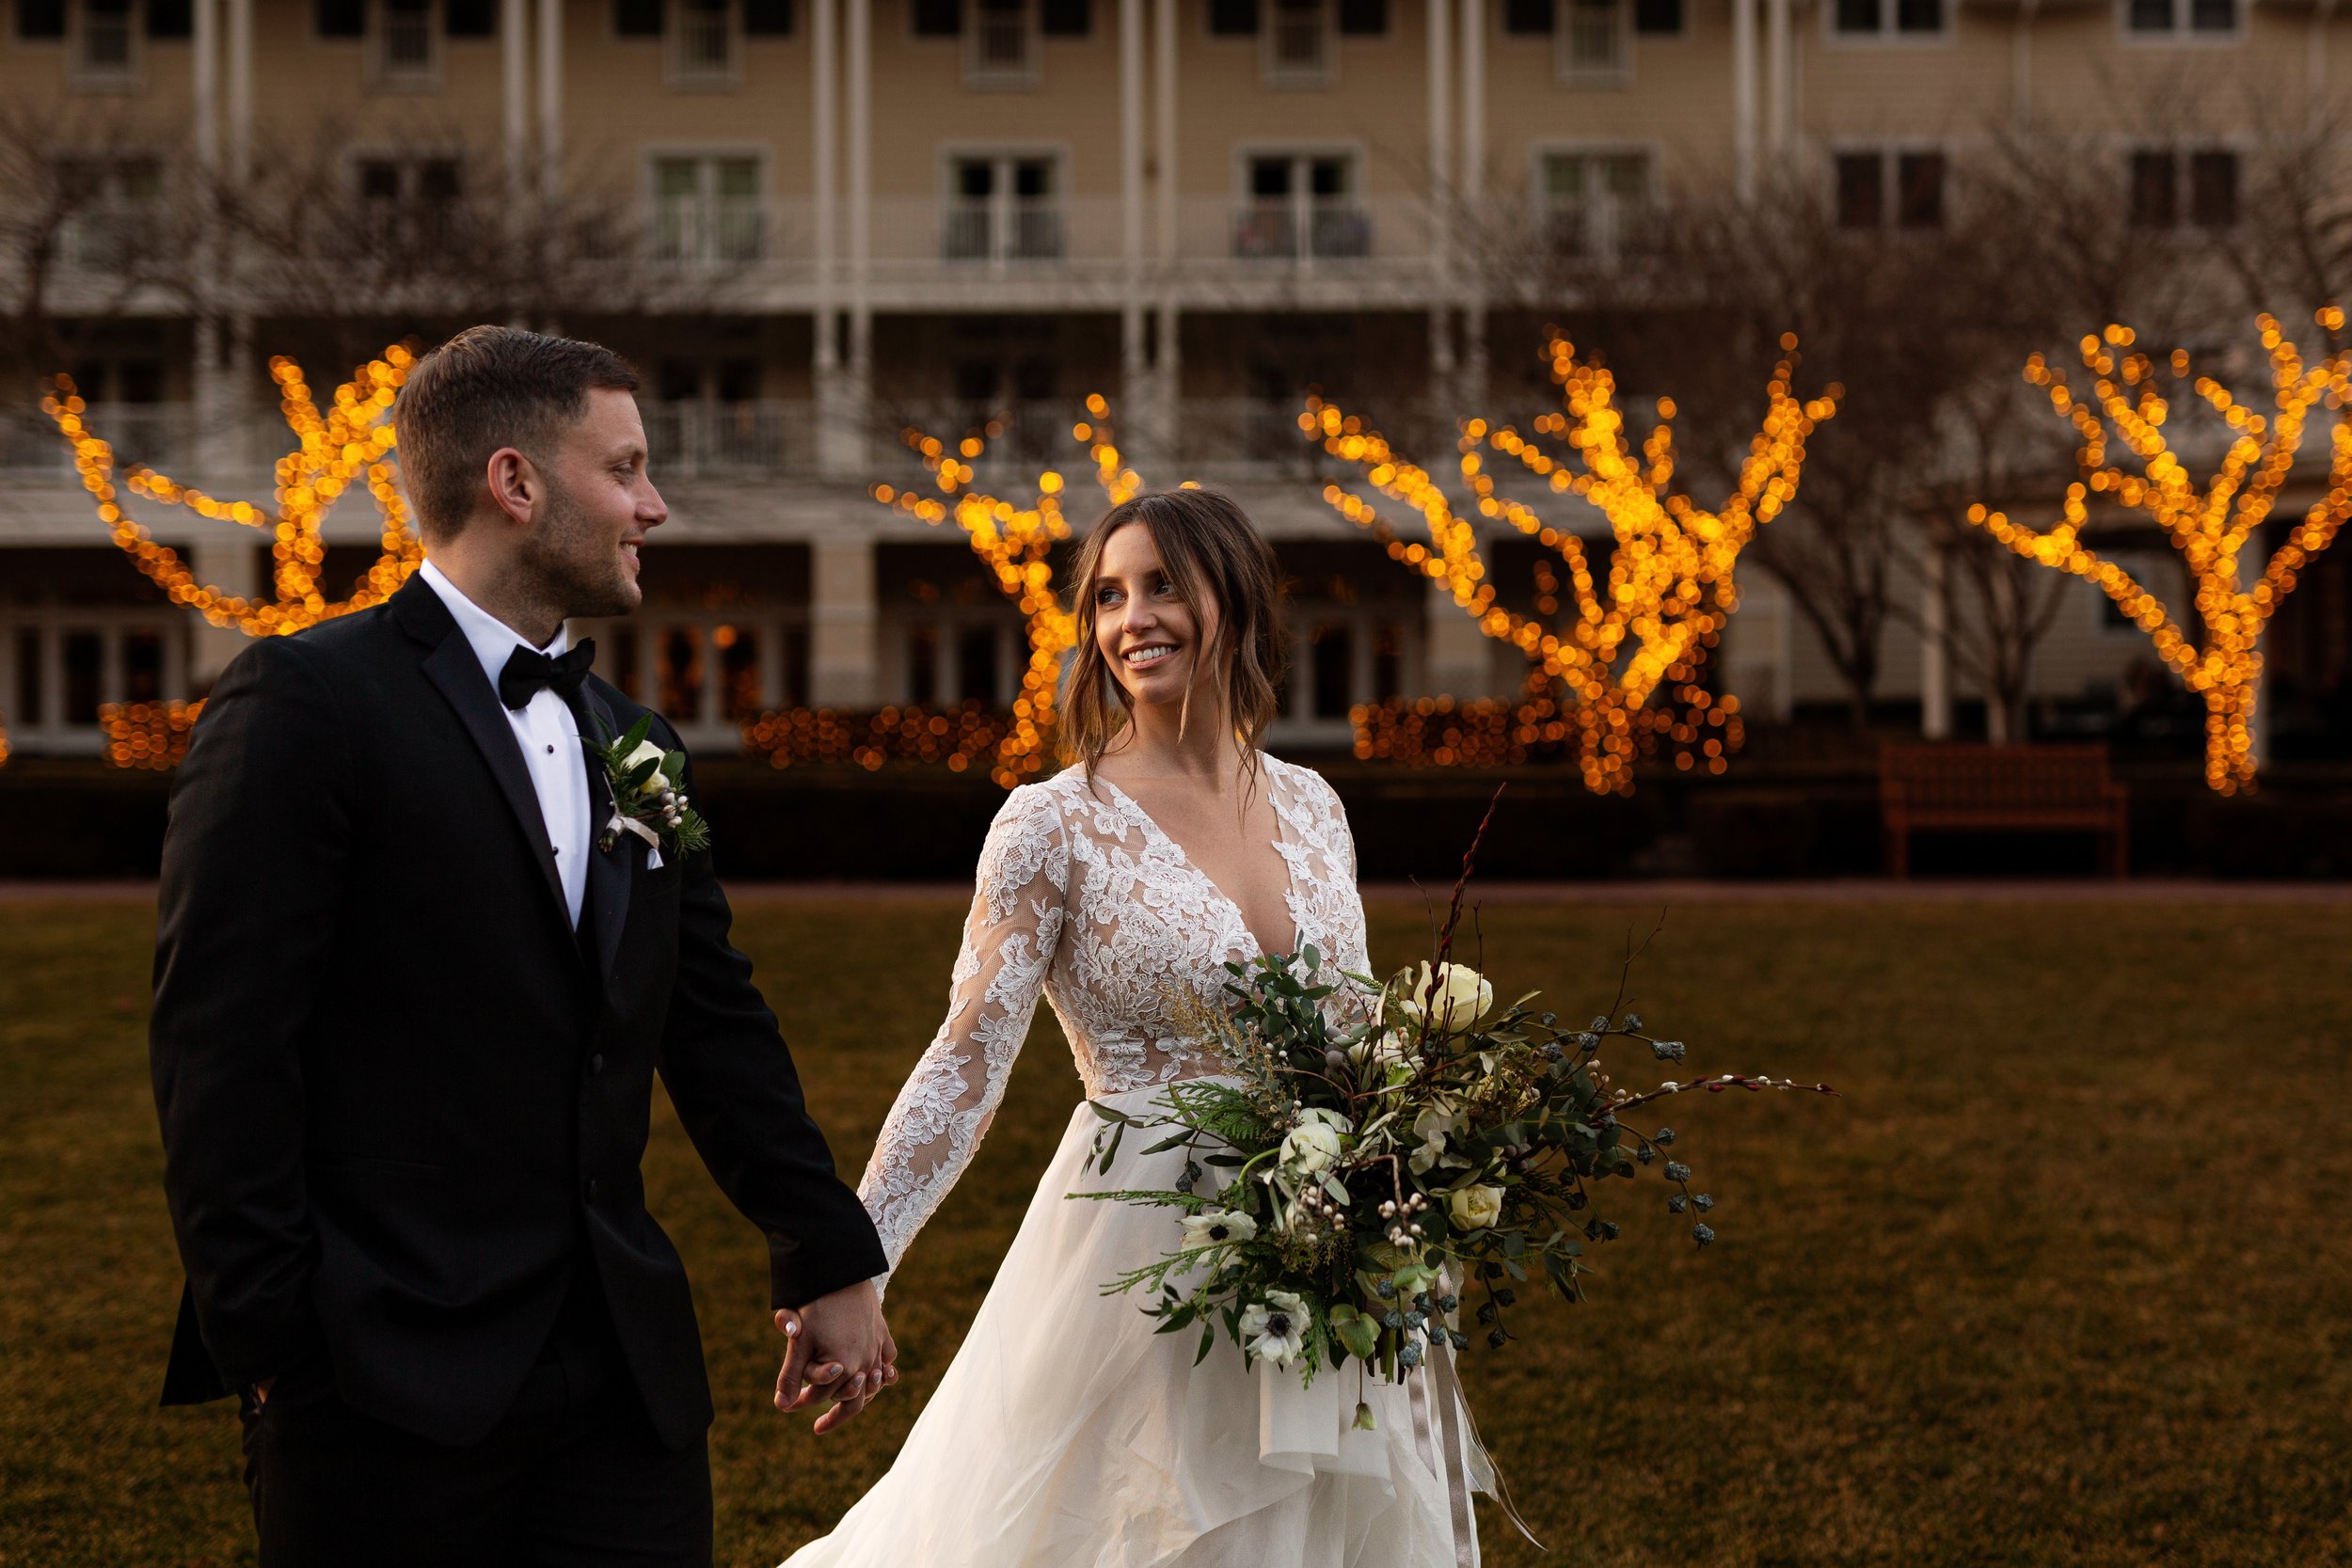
(1215, 558)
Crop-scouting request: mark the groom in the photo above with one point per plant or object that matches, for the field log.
(411, 992)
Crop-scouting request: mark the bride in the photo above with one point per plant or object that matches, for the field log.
(1066, 1431)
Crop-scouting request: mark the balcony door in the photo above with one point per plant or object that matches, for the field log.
(1302, 207)
(1003, 207)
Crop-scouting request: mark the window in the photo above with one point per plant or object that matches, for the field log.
(407, 200)
(64, 665)
(1297, 47)
(1594, 202)
(707, 210)
(470, 19)
(408, 54)
(938, 19)
(41, 20)
(2198, 187)
(1888, 18)
(701, 46)
(637, 18)
(1530, 18)
(105, 40)
(1002, 47)
(1890, 190)
(1593, 43)
(2181, 19)
(1065, 19)
(170, 19)
(340, 19)
(1002, 208)
(1363, 18)
(1301, 207)
(114, 205)
(768, 19)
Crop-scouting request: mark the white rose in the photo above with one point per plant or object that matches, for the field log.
(1310, 1147)
(1457, 999)
(1474, 1208)
(648, 752)
(1217, 1228)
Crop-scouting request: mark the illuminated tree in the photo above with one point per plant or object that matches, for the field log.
(348, 443)
(2211, 525)
(1015, 543)
(1670, 584)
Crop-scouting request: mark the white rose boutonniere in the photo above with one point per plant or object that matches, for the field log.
(647, 800)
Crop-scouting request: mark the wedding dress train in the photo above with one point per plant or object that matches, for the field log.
(1067, 1433)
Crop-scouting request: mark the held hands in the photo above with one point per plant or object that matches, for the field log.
(837, 1347)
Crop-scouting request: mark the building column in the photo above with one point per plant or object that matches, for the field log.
(844, 667)
(1780, 82)
(1135, 366)
(1459, 659)
(839, 439)
(859, 394)
(1744, 98)
(514, 103)
(1470, 198)
(1935, 657)
(550, 104)
(1441, 198)
(233, 565)
(1168, 363)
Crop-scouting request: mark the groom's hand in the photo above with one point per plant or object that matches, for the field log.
(839, 1348)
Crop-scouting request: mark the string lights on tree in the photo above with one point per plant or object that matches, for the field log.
(1670, 585)
(349, 442)
(2209, 526)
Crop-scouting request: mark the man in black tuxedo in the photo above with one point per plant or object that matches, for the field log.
(411, 992)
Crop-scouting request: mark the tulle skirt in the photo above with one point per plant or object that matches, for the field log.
(1066, 1434)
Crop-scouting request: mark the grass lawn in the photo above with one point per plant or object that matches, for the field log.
(2054, 1282)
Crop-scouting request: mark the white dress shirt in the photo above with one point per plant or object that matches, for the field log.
(545, 729)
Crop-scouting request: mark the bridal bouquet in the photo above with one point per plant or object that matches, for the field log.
(1355, 1178)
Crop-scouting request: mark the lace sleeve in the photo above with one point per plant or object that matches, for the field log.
(948, 1100)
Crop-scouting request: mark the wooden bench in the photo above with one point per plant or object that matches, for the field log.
(1968, 788)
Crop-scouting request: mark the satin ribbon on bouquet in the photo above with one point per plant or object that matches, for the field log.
(1437, 1384)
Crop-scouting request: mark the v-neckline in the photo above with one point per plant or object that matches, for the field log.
(1241, 917)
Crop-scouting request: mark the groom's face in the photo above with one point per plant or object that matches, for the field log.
(601, 505)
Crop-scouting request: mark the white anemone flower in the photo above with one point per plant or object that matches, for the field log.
(1276, 1330)
(1217, 1228)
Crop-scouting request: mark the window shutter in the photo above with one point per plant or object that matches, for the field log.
(1527, 17)
(1233, 18)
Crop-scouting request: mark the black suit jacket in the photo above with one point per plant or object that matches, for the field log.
(401, 1100)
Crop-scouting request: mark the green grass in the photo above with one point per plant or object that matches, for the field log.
(2055, 1281)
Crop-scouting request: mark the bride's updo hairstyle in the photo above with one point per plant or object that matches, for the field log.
(1222, 567)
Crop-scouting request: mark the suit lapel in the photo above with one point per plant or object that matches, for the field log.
(452, 667)
(609, 876)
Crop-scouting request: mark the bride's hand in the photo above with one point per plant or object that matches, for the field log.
(839, 1348)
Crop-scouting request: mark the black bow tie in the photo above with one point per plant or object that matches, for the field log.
(528, 670)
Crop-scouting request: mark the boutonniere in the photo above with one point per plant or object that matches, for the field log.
(646, 799)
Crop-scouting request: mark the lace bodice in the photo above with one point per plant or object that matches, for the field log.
(1082, 896)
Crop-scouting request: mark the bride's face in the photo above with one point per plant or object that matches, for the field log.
(1142, 625)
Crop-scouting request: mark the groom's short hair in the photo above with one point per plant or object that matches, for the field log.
(487, 388)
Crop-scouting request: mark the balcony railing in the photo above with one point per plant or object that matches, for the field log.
(1602, 228)
(722, 229)
(1287, 229)
(1023, 229)
(155, 433)
(768, 435)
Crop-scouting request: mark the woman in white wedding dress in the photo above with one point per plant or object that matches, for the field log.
(1066, 1433)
